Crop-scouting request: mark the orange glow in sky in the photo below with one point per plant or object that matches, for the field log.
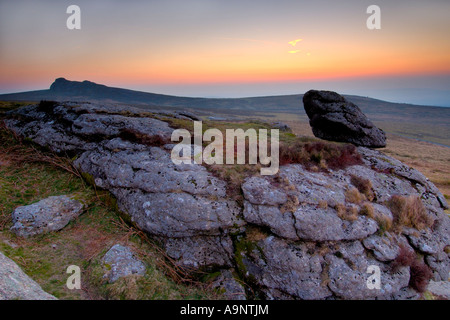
(206, 42)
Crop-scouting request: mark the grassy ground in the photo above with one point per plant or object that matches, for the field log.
(83, 242)
(8, 105)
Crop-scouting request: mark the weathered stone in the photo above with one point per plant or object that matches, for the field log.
(384, 248)
(440, 289)
(119, 262)
(334, 118)
(259, 191)
(122, 164)
(282, 224)
(311, 188)
(440, 266)
(47, 215)
(285, 267)
(306, 219)
(231, 288)
(49, 135)
(180, 114)
(16, 285)
(111, 125)
(425, 241)
(200, 252)
(380, 162)
(178, 214)
(406, 294)
(320, 225)
(384, 185)
(348, 283)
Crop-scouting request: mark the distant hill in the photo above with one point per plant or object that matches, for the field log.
(421, 122)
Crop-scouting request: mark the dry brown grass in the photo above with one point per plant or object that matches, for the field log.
(291, 205)
(353, 195)
(15, 150)
(408, 211)
(367, 210)
(364, 186)
(384, 223)
(323, 204)
(349, 213)
(255, 234)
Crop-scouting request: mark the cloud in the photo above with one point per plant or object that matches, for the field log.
(294, 51)
(294, 42)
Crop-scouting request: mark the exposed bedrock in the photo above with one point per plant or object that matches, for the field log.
(307, 235)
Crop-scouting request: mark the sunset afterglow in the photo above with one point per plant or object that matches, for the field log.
(138, 44)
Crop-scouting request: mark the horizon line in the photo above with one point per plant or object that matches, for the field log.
(225, 98)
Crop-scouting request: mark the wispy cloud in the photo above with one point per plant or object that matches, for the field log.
(294, 42)
(294, 51)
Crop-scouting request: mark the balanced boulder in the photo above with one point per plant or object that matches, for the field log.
(334, 118)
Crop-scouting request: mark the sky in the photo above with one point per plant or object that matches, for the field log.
(232, 48)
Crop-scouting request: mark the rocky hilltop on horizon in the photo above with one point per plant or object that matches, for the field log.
(418, 122)
(309, 232)
(66, 90)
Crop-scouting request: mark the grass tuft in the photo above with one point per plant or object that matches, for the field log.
(352, 195)
(367, 210)
(420, 273)
(364, 186)
(408, 211)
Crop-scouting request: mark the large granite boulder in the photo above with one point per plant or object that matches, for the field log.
(334, 118)
(16, 285)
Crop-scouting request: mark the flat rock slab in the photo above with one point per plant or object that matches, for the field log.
(16, 285)
(334, 118)
(119, 262)
(47, 215)
(440, 289)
